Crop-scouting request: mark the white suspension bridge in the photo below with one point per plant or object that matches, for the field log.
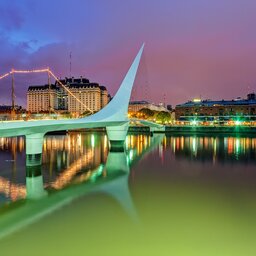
(113, 116)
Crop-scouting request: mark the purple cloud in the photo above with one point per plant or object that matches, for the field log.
(193, 48)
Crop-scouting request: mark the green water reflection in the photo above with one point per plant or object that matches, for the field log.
(174, 195)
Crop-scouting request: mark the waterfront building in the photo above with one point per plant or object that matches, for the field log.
(220, 110)
(93, 96)
(8, 113)
(7, 109)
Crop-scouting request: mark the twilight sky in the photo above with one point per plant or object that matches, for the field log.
(193, 47)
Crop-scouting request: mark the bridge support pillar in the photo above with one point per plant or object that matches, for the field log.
(116, 136)
(34, 143)
(34, 149)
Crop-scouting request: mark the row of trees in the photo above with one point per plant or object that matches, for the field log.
(162, 117)
(157, 116)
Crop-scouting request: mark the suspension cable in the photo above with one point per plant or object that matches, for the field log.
(71, 93)
(49, 72)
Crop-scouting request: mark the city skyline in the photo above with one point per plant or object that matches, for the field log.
(192, 48)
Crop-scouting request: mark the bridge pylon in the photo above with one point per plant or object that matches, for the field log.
(117, 109)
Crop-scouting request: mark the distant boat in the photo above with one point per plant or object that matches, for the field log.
(9, 160)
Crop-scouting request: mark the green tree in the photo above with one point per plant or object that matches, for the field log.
(163, 117)
(146, 113)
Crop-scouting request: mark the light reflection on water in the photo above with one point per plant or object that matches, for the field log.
(71, 158)
(212, 148)
(169, 183)
(65, 160)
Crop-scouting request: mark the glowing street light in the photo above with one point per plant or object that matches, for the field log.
(194, 122)
(237, 122)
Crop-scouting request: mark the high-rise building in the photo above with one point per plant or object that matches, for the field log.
(93, 96)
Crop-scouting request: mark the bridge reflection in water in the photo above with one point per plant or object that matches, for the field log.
(186, 189)
(89, 167)
(77, 158)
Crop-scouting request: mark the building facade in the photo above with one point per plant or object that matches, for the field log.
(93, 96)
(223, 110)
(89, 94)
(42, 98)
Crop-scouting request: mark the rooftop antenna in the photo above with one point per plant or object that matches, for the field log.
(70, 63)
(13, 95)
(249, 89)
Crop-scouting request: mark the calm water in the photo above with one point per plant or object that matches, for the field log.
(164, 195)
